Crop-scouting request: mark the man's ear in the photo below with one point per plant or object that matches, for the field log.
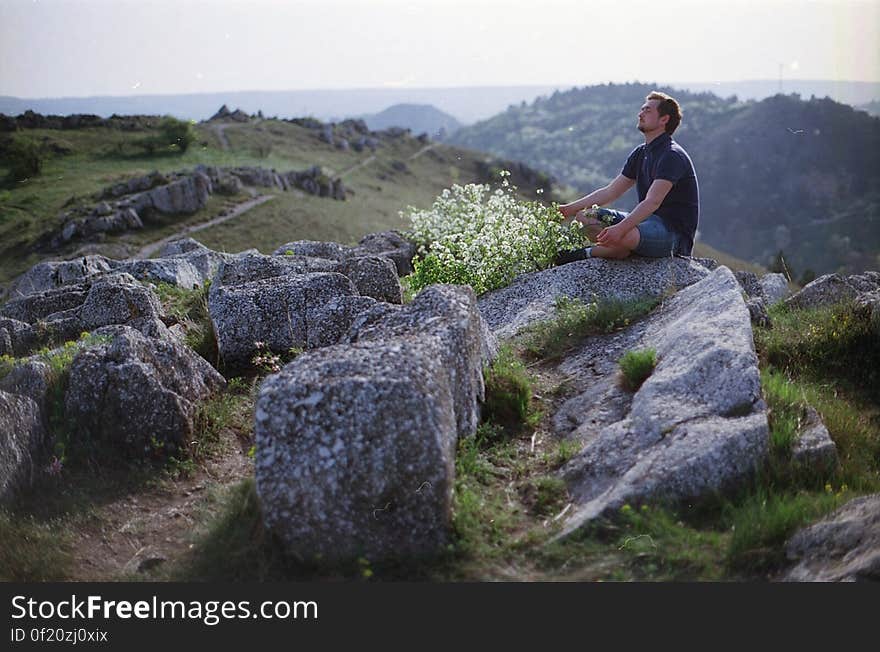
(664, 120)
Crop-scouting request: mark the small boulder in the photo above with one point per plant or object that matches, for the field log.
(137, 394)
(22, 440)
(842, 547)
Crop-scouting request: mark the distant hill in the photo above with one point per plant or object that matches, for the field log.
(780, 174)
(845, 92)
(466, 104)
(419, 118)
(871, 108)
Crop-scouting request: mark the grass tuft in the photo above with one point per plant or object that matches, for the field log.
(574, 320)
(636, 367)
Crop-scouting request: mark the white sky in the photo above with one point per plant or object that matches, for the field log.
(56, 48)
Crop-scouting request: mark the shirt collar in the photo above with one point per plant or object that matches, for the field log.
(660, 141)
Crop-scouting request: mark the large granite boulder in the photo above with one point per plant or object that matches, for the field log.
(354, 457)
(842, 547)
(63, 313)
(279, 310)
(186, 195)
(52, 274)
(16, 337)
(387, 244)
(833, 288)
(530, 298)
(775, 287)
(31, 378)
(136, 394)
(695, 427)
(22, 439)
(448, 313)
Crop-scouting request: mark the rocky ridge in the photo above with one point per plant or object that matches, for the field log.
(353, 456)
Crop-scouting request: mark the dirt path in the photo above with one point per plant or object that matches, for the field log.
(151, 248)
(148, 529)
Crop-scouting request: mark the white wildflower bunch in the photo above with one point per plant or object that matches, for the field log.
(472, 235)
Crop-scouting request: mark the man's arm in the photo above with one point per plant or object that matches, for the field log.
(612, 235)
(602, 197)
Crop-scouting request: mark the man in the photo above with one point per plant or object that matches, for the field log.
(665, 220)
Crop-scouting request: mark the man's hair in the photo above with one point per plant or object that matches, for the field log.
(667, 106)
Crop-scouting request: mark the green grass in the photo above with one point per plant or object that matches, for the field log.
(32, 550)
(829, 343)
(508, 392)
(637, 366)
(190, 308)
(574, 320)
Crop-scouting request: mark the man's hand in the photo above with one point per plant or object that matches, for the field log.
(612, 236)
(566, 210)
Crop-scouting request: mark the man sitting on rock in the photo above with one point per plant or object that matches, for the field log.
(665, 220)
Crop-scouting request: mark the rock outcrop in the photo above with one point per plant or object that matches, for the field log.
(696, 426)
(843, 547)
(353, 457)
(294, 301)
(136, 394)
(832, 288)
(530, 298)
(63, 313)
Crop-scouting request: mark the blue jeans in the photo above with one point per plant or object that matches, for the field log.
(656, 240)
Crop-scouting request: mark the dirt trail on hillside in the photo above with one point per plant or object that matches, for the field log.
(147, 250)
(148, 529)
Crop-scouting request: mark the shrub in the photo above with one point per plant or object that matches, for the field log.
(174, 136)
(637, 366)
(484, 239)
(25, 157)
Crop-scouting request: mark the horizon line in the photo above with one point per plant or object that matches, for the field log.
(439, 88)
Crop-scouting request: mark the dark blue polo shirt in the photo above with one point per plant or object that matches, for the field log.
(666, 159)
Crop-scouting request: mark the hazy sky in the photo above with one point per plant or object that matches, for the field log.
(55, 48)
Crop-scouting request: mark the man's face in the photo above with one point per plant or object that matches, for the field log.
(649, 118)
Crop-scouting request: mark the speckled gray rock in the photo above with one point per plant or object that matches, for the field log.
(52, 274)
(330, 323)
(29, 378)
(531, 297)
(775, 287)
(176, 271)
(813, 446)
(450, 314)
(373, 277)
(65, 312)
(16, 337)
(186, 195)
(709, 263)
(277, 310)
(313, 249)
(842, 547)
(22, 440)
(388, 244)
(354, 458)
(758, 312)
(696, 426)
(825, 290)
(750, 284)
(135, 393)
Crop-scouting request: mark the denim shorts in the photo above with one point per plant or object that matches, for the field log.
(656, 240)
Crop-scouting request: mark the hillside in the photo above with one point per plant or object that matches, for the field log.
(782, 173)
(83, 161)
(419, 118)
